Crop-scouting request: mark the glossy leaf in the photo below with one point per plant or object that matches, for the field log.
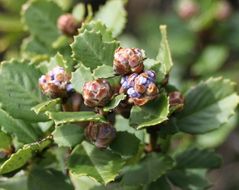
(72, 117)
(49, 105)
(147, 115)
(208, 105)
(103, 71)
(90, 49)
(114, 102)
(102, 165)
(68, 135)
(19, 92)
(113, 15)
(23, 155)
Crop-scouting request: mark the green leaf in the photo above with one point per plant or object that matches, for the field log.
(68, 135)
(80, 77)
(90, 49)
(196, 158)
(113, 15)
(147, 115)
(211, 60)
(5, 140)
(208, 105)
(162, 182)
(41, 20)
(114, 103)
(189, 179)
(23, 155)
(103, 71)
(49, 105)
(164, 55)
(23, 131)
(125, 144)
(19, 89)
(102, 165)
(98, 26)
(48, 179)
(79, 12)
(150, 169)
(84, 182)
(71, 117)
(14, 183)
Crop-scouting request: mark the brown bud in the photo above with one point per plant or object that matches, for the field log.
(67, 24)
(187, 9)
(176, 101)
(72, 103)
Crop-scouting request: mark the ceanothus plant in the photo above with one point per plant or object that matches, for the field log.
(98, 115)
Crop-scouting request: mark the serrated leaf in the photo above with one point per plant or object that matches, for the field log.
(150, 169)
(153, 113)
(23, 155)
(113, 15)
(72, 117)
(196, 158)
(23, 131)
(103, 71)
(208, 105)
(48, 179)
(80, 77)
(90, 49)
(114, 102)
(102, 165)
(49, 105)
(164, 54)
(19, 90)
(68, 135)
(36, 12)
(98, 26)
(125, 144)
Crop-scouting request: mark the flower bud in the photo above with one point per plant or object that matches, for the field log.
(97, 93)
(187, 9)
(140, 88)
(56, 83)
(67, 24)
(223, 10)
(101, 134)
(128, 60)
(176, 101)
(72, 103)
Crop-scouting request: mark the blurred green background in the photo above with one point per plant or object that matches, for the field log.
(204, 39)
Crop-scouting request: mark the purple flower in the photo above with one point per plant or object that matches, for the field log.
(132, 93)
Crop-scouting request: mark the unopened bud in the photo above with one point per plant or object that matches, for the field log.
(67, 24)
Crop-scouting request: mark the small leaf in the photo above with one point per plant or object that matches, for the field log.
(207, 106)
(23, 155)
(79, 12)
(80, 77)
(23, 131)
(19, 91)
(125, 144)
(164, 55)
(113, 15)
(49, 105)
(90, 49)
(35, 12)
(48, 179)
(72, 117)
(147, 115)
(68, 135)
(5, 140)
(150, 169)
(195, 158)
(115, 102)
(103, 71)
(102, 165)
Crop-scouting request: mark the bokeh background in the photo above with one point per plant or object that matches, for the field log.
(204, 40)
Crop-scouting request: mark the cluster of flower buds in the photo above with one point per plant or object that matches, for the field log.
(67, 24)
(101, 134)
(176, 101)
(128, 60)
(56, 83)
(187, 9)
(97, 93)
(140, 87)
